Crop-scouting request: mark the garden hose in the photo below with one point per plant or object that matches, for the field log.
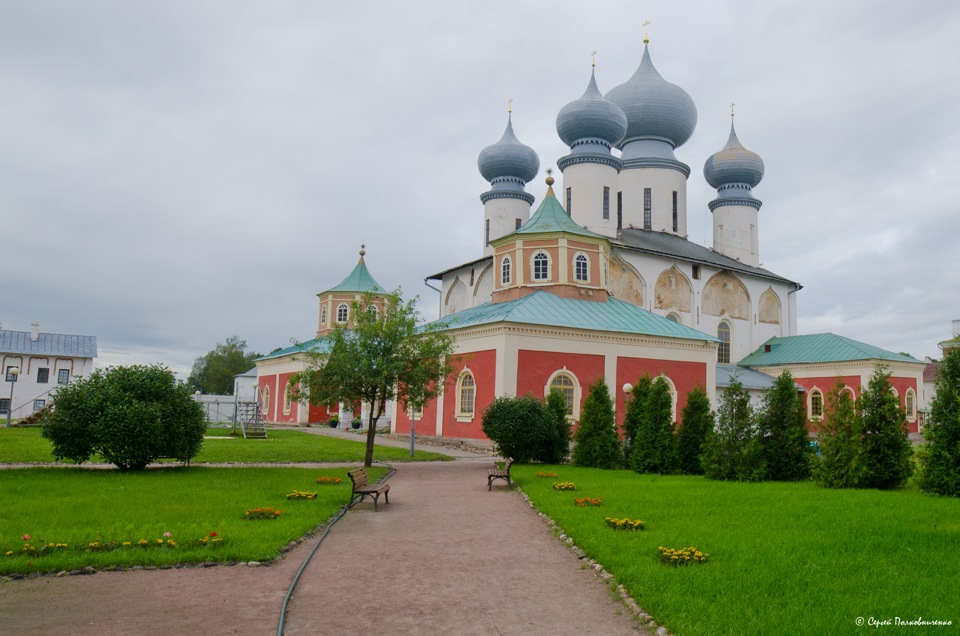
(339, 515)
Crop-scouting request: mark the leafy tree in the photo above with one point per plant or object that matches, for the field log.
(383, 357)
(635, 413)
(839, 440)
(783, 431)
(596, 440)
(557, 452)
(696, 423)
(213, 373)
(655, 450)
(522, 428)
(886, 452)
(732, 450)
(940, 458)
(129, 415)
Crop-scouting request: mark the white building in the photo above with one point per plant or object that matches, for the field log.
(36, 364)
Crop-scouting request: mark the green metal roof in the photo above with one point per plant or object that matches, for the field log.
(817, 348)
(320, 345)
(544, 308)
(551, 217)
(359, 280)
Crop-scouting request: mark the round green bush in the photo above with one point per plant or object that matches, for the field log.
(130, 416)
(522, 428)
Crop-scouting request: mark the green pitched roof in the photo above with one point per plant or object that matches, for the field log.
(544, 308)
(320, 345)
(551, 217)
(359, 280)
(817, 348)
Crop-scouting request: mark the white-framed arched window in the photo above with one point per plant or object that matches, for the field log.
(815, 404)
(506, 273)
(674, 317)
(910, 404)
(541, 266)
(725, 336)
(673, 396)
(373, 311)
(466, 394)
(287, 398)
(343, 312)
(323, 315)
(565, 382)
(266, 400)
(581, 268)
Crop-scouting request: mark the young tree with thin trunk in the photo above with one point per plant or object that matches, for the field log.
(383, 356)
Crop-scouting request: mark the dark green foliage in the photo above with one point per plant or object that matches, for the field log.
(214, 372)
(732, 450)
(838, 465)
(696, 422)
(940, 458)
(597, 445)
(655, 448)
(886, 453)
(521, 428)
(635, 413)
(783, 432)
(129, 415)
(557, 452)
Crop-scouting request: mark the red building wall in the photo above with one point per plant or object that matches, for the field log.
(426, 424)
(826, 383)
(483, 365)
(684, 375)
(534, 369)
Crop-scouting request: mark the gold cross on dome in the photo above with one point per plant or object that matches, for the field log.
(732, 104)
(509, 105)
(646, 32)
(593, 61)
(549, 171)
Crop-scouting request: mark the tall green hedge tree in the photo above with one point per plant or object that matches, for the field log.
(783, 433)
(635, 412)
(655, 450)
(557, 451)
(696, 423)
(940, 459)
(597, 445)
(839, 439)
(886, 451)
(732, 450)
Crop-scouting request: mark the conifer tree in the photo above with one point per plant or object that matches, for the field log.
(886, 454)
(839, 441)
(783, 432)
(941, 457)
(558, 446)
(696, 423)
(635, 413)
(596, 440)
(732, 450)
(655, 450)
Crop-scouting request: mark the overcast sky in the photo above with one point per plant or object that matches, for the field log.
(173, 173)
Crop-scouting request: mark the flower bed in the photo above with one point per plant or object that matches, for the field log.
(301, 494)
(564, 485)
(626, 524)
(328, 481)
(682, 556)
(583, 502)
(545, 474)
(258, 514)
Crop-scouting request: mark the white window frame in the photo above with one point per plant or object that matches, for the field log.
(506, 271)
(265, 400)
(811, 394)
(534, 260)
(673, 396)
(910, 404)
(345, 313)
(287, 398)
(323, 315)
(464, 415)
(581, 259)
(574, 408)
(373, 311)
(61, 380)
(729, 343)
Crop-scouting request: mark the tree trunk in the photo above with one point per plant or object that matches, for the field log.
(372, 429)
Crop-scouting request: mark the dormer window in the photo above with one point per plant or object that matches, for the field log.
(506, 275)
(581, 269)
(541, 266)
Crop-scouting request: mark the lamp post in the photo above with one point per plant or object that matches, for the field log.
(12, 374)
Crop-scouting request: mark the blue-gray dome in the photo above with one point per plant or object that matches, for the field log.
(733, 164)
(654, 107)
(591, 117)
(508, 158)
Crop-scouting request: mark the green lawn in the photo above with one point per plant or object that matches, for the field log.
(26, 445)
(784, 558)
(77, 507)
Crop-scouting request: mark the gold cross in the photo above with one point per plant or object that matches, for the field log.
(732, 104)
(646, 32)
(594, 58)
(549, 171)
(509, 105)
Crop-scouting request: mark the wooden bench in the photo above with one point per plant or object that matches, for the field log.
(498, 473)
(362, 487)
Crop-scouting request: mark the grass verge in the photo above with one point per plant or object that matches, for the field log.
(25, 445)
(79, 507)
(785, 558)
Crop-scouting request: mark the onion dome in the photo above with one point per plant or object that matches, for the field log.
(733, 165)
(655, 108)
(508, 159)
(592, 118)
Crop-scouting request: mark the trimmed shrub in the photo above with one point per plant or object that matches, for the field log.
(557, 451)
(838, 465)
(697, 422)
(940, 459)
(783, 432)
(597, 445)
(886, 455)
(632, 421)
(732, 450)
(520, 427)
(655, 449)
(130, 416)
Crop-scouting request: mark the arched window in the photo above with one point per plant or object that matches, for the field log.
(910, 404)
(266, 400)
(374, 313)
(287, 398)
(581, 268)
(343, 312)
(506, 276)
(672, 317)
(541, 266)
(466, 394)
(815, 404)
(565, 383)
(673, 396)
(323, 315)
(723, 351)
